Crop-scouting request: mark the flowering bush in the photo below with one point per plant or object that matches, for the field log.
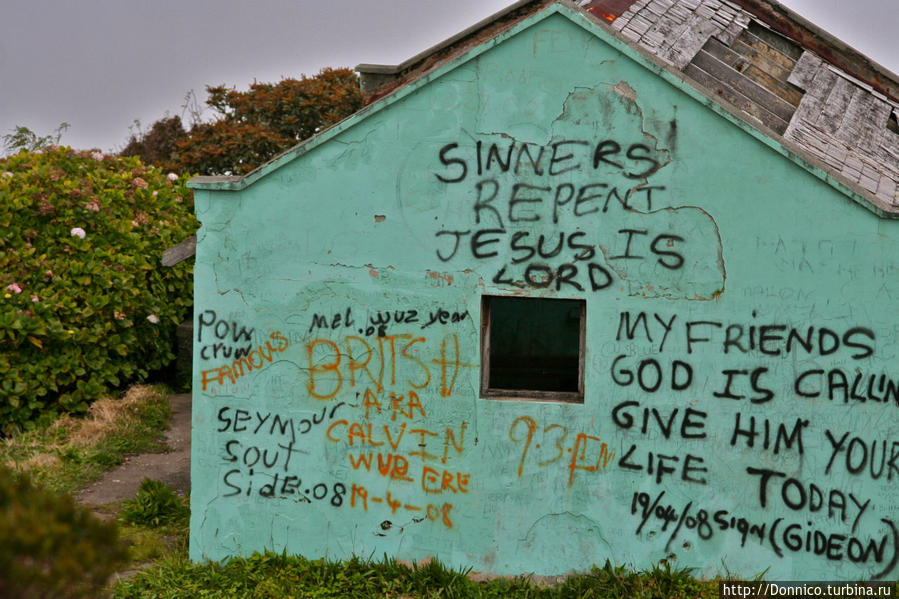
(85, 305)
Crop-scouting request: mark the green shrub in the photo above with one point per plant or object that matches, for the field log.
(85, 305)
(155, 504)
(51, 546)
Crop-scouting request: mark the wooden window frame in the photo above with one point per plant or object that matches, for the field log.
(523, 394)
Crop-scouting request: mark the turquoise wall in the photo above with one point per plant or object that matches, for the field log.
(337, 334)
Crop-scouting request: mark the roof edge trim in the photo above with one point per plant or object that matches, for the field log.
(395, 69)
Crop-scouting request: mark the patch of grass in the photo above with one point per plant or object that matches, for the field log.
(149, 544)
(144, 545)
(154, 505)
(72, 452)
(659, 581)
(272, 575)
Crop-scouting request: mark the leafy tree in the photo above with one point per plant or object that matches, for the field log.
(158, 145)
(228, 147)
(23, 138)
(252, 126)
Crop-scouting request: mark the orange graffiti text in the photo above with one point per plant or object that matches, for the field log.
(433, 481)
(360, 497)
(255, 360)
(356, 361)
(553, 438)
(389, 465)
(407, 405)
(413, 441)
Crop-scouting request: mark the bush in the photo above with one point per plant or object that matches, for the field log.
(51, 546)
(155, 504)
(85, 305)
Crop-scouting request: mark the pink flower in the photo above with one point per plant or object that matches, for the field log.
(78, 232)
(97, 155)
(155, 193)
(7, 174)
(172, 177)
(34, 298)
(92, 206)
(153, 318)
(14, 287)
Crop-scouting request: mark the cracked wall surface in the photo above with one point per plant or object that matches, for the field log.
(739, 379)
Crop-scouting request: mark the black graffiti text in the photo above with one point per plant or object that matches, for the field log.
(876, 458)
(797, 495)
(335, 321)
(690, 468)
(770, 434)
(224, 339)
(632, 160)
(770, 339)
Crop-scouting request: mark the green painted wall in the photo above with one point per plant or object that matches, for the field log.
(354, 275)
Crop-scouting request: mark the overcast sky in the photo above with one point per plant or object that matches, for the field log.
(100, 64)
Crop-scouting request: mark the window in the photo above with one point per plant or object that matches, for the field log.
(532, 348)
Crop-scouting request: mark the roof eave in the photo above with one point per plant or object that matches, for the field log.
(384, 69)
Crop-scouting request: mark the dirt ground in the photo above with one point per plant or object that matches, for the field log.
(173, 468)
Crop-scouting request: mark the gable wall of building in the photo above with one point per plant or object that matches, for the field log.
(727, 294)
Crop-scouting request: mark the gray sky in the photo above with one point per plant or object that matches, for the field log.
(100, 64)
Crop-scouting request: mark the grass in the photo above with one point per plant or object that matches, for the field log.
(71, 453)
(155, 505)
(272, 575)
(154, 524)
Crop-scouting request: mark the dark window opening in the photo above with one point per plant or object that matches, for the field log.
(892, 123)
(532, 348)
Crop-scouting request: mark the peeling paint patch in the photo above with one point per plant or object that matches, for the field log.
(625, 91)
(688, 264)
(565, 535)
(608, 111)
(440, 279)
